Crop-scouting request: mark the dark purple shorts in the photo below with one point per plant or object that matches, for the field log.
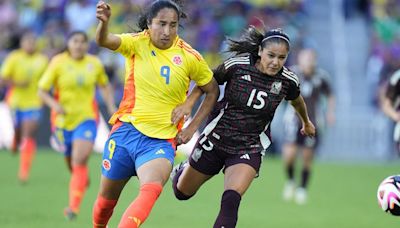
(209, 159)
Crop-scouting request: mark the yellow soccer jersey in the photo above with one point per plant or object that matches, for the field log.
(21, 67)
(74, 83)
(156, 81)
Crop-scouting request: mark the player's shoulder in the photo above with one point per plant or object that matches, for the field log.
(92, 58)
(135, 36)
(188, 50)
(42, 57)
(237, 60)
(394, 79)
(290, 75)
(15, 54)
(63, 56)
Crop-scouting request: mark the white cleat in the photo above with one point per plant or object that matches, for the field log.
(301, 196)
(288, 191)
(176, 168)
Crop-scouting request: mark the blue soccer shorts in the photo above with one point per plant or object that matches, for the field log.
(20, 116)
(87, 131)
(127, 149)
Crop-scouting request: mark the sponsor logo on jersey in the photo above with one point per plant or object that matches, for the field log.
(160, 151)
(245, 156)
(106, 164)
(88, 134)
(90, 67)
(276, 87)
(246, 77)
(177, 60)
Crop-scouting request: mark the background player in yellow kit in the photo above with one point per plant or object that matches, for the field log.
(21, 71)
(159, 67)
(73, 75)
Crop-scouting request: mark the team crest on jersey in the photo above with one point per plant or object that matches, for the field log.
(106, 164)
(276, 87)
(177, 59)
(90, 67)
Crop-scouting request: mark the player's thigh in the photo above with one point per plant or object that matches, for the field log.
(82, 141)
(308, 155)
(28, 128)
(191, 180)
(154, 171)
(153, 160)
(289, 152)
(111, 189)
(239, 177)
(81, 150)
(240, 170)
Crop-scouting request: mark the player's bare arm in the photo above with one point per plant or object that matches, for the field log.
(330, 113)
(50, 101)
(103, 37)
(388, 109)
(212, 92)
(10, 82)
(301, 109)
(183, 110)
(107, 94)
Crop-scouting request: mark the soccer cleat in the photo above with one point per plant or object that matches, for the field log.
(69, 214)
(301, 196)
(176, 169)
(288, 191)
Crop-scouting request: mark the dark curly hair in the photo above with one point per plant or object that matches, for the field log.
(146, 17)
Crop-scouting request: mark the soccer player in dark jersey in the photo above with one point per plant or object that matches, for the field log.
(314, 86)
(391, 105)
(238, 131)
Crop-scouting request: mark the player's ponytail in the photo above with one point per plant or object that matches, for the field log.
(253, 39)
(248, 43)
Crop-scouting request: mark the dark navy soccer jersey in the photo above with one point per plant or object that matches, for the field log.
(240, 123)
(312, 89)
(393, 90)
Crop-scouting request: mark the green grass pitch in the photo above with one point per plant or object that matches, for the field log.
(340, 195)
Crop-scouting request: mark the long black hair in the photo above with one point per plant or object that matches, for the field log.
(253, 39)
(146, 17)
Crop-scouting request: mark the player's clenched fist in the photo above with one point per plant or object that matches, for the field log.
(103, 11)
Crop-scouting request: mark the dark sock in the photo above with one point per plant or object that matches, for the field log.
(178, 194)
(228, 213)
(305, 176)
(290, 171)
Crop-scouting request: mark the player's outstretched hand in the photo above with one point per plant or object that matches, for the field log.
(103, 11)
(308, 129)
(184, 136)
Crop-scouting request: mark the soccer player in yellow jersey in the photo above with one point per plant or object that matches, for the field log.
(73, 76)
(21, 71)
(159, 68)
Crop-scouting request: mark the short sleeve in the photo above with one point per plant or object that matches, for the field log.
(127, 47)
(7, 67)
(325, 87)
(200, 71)
(48, 79)
(102, 78)
(221, 74)
(293, 91)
